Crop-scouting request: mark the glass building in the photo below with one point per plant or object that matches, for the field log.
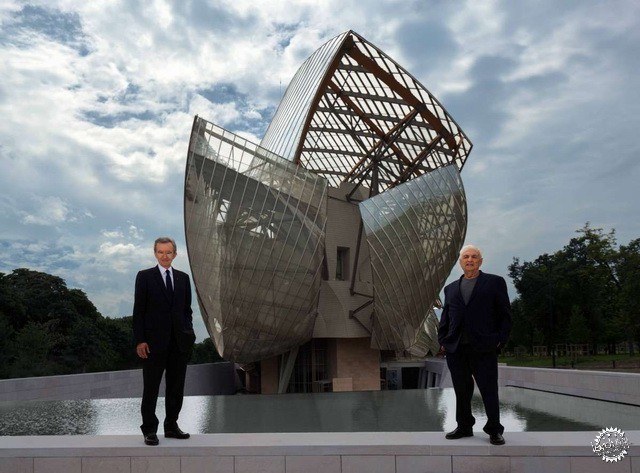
(320, 253)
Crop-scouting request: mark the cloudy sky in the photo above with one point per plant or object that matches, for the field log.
(97, 101)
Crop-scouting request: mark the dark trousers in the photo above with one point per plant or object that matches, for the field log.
(174, 362)
(465, 365)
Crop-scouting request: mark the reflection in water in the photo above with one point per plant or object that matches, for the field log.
(329, 412)
(377, 411)
(76, 417)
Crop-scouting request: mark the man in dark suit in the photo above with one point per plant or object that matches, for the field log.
(475, 323)
(163, 329)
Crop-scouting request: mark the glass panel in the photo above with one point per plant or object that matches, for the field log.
(349, 105)
(414, 232)
(255, 234)
(255, 220)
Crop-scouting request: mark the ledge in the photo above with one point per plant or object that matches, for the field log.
(577, 444)
(335, 443)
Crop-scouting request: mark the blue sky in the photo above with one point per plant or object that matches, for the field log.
(97, 101)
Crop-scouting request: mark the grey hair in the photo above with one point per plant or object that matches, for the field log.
(471, 247)
(165, 240)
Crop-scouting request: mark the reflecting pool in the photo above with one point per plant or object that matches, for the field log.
(382, 411)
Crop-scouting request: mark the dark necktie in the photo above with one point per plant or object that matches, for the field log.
(167, 279)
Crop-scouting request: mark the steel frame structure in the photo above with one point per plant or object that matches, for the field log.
(255, 215)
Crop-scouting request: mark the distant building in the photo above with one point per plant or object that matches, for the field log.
(318, 255)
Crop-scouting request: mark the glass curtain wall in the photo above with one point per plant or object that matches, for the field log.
(351, 109)
(255, 234)
(414, 232)
(255, 215)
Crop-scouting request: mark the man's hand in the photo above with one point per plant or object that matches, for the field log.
(142, 349)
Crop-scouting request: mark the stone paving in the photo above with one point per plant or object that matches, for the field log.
(360, 452)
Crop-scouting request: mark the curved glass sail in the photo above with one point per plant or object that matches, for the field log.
(255, 234)
(355, 121)
(352, 114)
(414, 232)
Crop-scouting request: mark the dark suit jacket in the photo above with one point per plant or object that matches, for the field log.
(486, 317)
(156, 313)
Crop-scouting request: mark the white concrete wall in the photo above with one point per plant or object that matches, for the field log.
(343, 223)
(209, 378)
(603, 385)
(360, 452)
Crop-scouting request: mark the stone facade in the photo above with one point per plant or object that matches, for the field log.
(355, 360)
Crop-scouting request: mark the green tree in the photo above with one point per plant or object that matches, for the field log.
(540, 286)
(39, 294)
(47, 328)
(120, 334)
(6, 337)
(593, 283)
(29, 351)
(524, 332)
(577, 330)
(11, 304)
(589, 291)
(205, 352)
(82, 304)
(628, 308)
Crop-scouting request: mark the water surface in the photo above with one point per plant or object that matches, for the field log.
(376, 411)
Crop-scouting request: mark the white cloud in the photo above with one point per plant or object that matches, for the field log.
(135, 232)
(50, 211)
(112, 234)
(95, 120)
(116, 249)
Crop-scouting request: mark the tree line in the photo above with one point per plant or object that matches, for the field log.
(48, 329)
(586, 293)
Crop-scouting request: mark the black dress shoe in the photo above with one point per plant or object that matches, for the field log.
(459, 433)
(496, 439)
(176, 433)
(151, 439)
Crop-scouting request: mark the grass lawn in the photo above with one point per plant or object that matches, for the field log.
(621, 362)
